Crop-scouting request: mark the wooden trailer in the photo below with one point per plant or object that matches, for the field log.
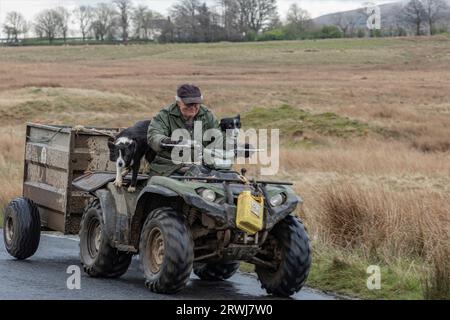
(54, 157)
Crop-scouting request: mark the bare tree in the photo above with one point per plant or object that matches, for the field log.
(185, 14)
(144, 21)
(168, 31)
(255, 14)
(63, 18)
(229, 19)
(434, 12)
(47, 24)
(414, 14)
(84, 16)
(15, 25)
(138, 18)
(125, 11)
(103, 21)
(298, 18)
(206, 27)
(274, 22)
(346, 22)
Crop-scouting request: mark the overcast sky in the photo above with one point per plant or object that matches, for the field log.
(29, 8)
(316, 7)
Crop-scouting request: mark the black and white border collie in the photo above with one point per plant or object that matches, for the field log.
(231, 127)
(127, 150)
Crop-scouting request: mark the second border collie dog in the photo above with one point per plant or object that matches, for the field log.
(127, 151)
(231, 126)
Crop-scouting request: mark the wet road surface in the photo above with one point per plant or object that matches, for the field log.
(44, 276)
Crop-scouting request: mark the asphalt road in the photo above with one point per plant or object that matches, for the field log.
(44, 276)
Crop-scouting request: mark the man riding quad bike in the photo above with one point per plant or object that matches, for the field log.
(202, 217)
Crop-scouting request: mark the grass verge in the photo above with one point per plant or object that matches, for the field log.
(344, 272)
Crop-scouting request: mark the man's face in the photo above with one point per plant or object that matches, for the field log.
(189, 111)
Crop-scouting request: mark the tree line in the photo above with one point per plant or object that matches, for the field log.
(225, 20)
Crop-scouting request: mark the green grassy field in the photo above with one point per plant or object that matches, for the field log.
(364, 127)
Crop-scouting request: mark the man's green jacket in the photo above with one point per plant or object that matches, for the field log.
(163, 125)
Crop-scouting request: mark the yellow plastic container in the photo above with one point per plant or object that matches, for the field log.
(250, 213)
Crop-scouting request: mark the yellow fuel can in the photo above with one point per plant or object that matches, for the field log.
(250, 213)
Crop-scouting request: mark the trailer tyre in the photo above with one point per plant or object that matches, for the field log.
(289, 249)
(98, 258)
(166, 251)
(216, 271)
(21, 228)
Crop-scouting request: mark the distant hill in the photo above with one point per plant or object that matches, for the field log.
(389, 16)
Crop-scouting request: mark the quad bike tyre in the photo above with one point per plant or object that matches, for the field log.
(216, 271)
(166, 251)
(98, 258)
(21, 228)
(292, 252)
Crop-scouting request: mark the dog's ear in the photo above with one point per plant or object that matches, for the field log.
(238, 117)
(111, 144)
(113, 152)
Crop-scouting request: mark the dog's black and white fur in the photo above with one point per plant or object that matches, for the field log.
(127, 150)
(232, 125)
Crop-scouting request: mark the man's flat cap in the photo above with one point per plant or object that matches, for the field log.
(189, 94)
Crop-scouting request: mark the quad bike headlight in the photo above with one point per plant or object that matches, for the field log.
(276, 200)
(208, 195)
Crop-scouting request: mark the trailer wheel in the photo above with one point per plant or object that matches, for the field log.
(166, 251)
(216, 271)
(288, 249)
(21, 228)
(98, 258)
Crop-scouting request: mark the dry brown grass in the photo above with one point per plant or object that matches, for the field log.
(11, 158)
(372, 159)
(385, 225)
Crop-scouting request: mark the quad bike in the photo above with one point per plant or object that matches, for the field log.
(207, 219)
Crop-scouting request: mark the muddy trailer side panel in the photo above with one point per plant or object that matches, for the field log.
(54, 156)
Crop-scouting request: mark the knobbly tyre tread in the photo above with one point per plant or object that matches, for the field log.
(216, 271)
(110, 262)
(178, 254)
(27, 228)
(297, 256)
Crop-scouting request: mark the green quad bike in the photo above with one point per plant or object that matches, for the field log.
(208, 220)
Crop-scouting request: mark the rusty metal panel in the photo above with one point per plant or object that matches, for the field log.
(46, 155)
(57, 137)
(45, 171)
(51, 176)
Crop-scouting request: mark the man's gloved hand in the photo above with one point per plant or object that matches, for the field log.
(168, 143)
